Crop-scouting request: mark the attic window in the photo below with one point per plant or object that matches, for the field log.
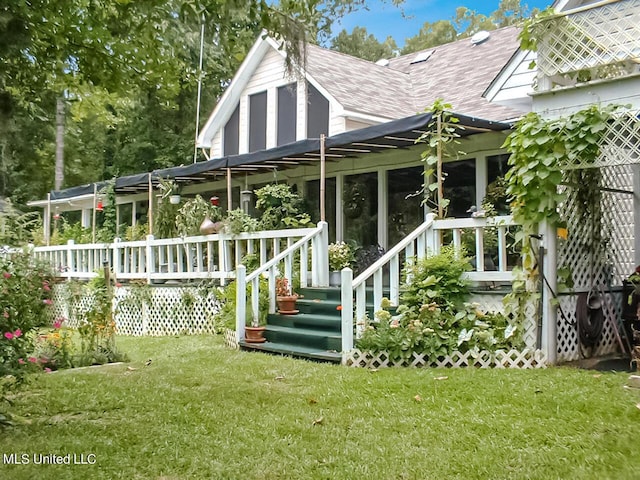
(422, 56)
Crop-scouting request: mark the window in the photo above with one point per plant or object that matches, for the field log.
(317, 113)
(497, 166)
(257, 121)
(360, 209)
(460, 186)
(231, 140)
(287, 106)
(312, 198)
(404, 200)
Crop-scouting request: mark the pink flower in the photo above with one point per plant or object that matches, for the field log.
(46, 287)
(21, 361)
(57, 324)
(17, 333)
(47, 301)
(118, 284)
(5, 314)
(47, 370)
(32, 359)
(6, 275)
(8, 335)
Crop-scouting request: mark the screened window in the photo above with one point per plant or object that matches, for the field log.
(258, 121)
(287, 106)
(231, 133)
(460, 187)
(317, 113)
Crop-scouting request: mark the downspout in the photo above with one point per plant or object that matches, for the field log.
(150, 209)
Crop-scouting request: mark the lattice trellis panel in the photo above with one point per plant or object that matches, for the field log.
(168, 310)
(493, 302)
(604, 40)
(599, 253)
(528, 358)
(619, 145)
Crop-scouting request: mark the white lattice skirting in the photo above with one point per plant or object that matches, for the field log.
(527, 358)
(165, 310)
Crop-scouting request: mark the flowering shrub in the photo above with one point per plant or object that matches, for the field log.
(434, 317)
(25, 294)
(340, 256)
(53, 349)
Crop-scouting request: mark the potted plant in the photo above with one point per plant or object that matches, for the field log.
(285, 297)
(170, 189)
(340, 256)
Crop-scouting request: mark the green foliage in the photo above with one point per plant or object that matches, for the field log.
(434, 317)
(226, 315)
(137, 232)
(441, 138)
(192, 213)
(341, 255)
(96, 325)
(366, 46)
(437, 278)
(109, 228)
(281, 208)
(165, 219)
(17, 228)
(537, 146)
(25, 297)
(237, 221)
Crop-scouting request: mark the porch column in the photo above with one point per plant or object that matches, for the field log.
(339, 209)
(481, 180)
(383, 208)
(47, 220)
(549, 308)
(636, 212)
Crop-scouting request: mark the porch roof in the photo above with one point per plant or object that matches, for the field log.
(397, 134)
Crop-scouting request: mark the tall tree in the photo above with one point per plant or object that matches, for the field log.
(360, 44)
(431, 35)
(128, 72)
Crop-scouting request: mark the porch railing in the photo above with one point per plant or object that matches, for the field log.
(314, 244)
(156, 260)
(593, 42)
(425, 240)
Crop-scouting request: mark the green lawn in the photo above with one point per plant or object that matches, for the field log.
(202, 411)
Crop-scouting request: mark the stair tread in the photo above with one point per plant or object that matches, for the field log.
(295, 350)
(303, 331)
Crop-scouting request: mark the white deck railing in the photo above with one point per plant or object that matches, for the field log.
(315, 242)
(427, 239)
(598, 41)
(187, 258)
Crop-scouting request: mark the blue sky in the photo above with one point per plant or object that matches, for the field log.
(383, 19)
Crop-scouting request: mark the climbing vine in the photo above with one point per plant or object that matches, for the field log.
(542, 154)
(441, 137)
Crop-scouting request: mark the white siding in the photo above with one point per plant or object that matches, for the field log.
(216, 145)
(355, 125)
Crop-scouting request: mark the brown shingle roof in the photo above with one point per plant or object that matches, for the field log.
(458, 72)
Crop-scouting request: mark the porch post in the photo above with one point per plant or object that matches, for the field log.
(346, 314)
(150, 210)
(47, 220)
(323, 175)
(241, 301)
(636, 212)
(93, 221)
(229, 191)
(550, 309)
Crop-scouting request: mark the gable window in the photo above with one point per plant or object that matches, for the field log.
(257, 121)
(287, 106)
(317, 113)
(231, 133)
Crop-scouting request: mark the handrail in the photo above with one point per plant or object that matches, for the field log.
(424, 240)
(320, 274)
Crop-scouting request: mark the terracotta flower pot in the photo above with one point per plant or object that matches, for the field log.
(254, 334)
(287, 304)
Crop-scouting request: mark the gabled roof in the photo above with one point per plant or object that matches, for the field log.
(458, 72)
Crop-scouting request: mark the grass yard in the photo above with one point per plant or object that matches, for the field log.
(202, 411)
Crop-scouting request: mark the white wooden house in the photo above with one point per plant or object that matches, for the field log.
(269, 124)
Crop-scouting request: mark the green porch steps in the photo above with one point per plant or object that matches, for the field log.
(313, 333)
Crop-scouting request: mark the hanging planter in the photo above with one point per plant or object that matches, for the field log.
(174, 199)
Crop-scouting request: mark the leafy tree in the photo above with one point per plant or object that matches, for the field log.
(360, 44)
(431, 35)
(465, 23)
(128, 72)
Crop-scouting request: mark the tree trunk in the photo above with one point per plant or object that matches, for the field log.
(59, 170)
